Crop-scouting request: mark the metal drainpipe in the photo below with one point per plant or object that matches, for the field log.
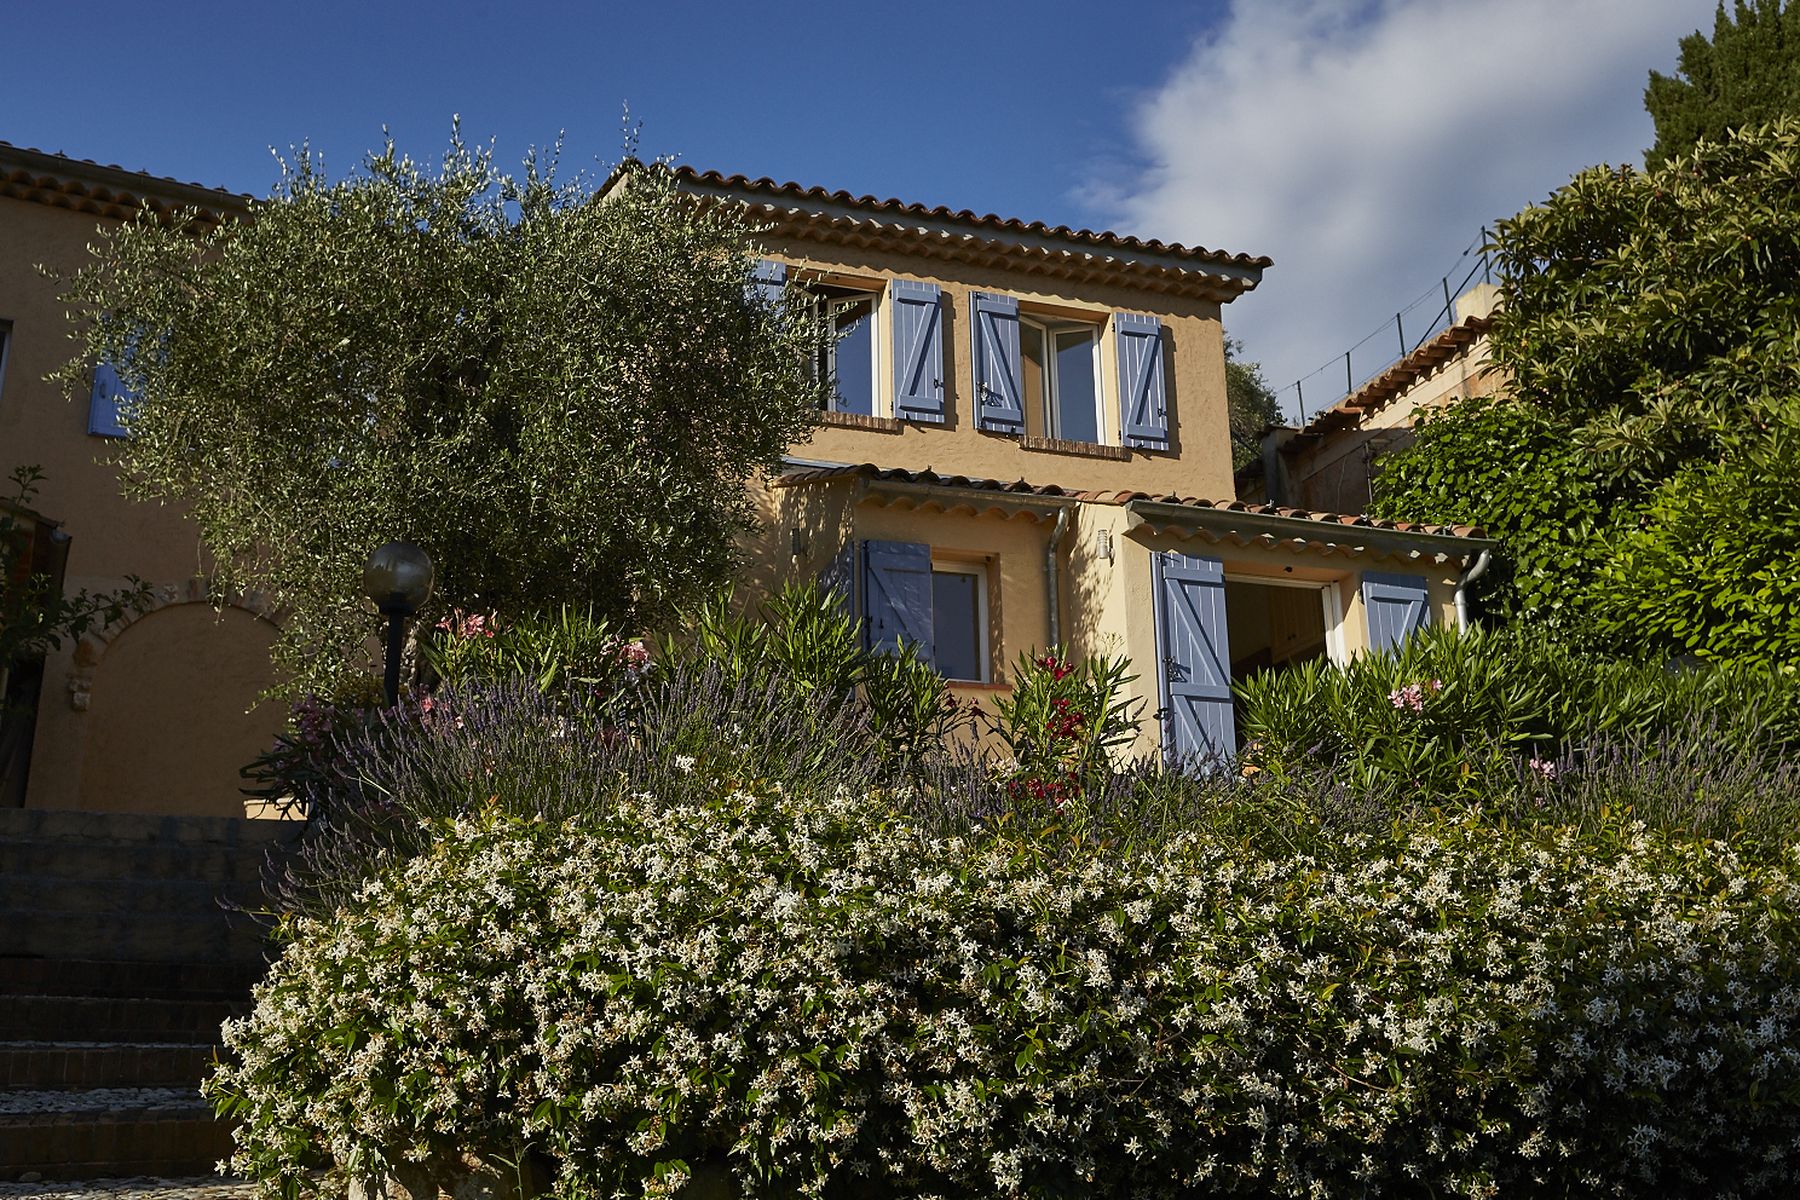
(1051, 577)
(1462, 587)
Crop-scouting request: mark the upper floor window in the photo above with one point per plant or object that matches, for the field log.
(851, 355)
(108, 402)
(1060, 378)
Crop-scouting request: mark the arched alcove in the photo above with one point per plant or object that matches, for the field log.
(166, 721)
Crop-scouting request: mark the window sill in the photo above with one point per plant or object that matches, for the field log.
(1080, 449)
(857, 421)
(976, 685)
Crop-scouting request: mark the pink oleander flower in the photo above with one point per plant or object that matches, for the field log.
(459, 624)
(634, 656)
(1411, 697)
(1545, 768)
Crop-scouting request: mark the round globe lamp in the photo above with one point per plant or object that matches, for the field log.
(398, 579)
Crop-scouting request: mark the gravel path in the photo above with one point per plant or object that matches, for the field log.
(93, 1100)
(205, 1187)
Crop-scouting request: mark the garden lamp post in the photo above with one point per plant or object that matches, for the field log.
(398, 579)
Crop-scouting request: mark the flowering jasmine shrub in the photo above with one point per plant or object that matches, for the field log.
(802, 993)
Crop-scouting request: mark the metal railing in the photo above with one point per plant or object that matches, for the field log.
(1442, 316)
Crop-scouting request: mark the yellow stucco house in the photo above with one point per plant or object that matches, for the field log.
(1028, 447)
(157, 713)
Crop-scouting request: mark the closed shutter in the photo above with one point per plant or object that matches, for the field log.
(994, 334)
(897, 596)
(838, 580)
(768, 280)
(1398, 607)
(1143, 396)
(1198, 726)
(107, 402)
(918, 329)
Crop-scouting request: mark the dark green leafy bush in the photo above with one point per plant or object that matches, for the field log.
(1462, 714)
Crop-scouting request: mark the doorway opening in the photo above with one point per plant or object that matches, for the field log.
(1274, 625)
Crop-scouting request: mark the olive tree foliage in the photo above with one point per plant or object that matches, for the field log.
(1651, 329)
(559, 395)
(1747, 74)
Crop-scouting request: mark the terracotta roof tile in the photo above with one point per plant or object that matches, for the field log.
(990, 221)
(1425, 361)
(798, 476)
(105, 189)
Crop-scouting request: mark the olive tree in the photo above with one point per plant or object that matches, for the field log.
(560, 394)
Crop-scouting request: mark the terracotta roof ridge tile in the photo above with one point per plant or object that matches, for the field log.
(870, 203)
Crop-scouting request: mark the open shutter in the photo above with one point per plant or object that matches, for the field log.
(1198, 726)
(994, 332)
(918, 350)
(768, 280)
(838, 579)
(897, 596)
(1398, 607)
(1143, 397)
(106, 402)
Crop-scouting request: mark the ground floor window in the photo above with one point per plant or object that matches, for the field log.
(959, 620)
(937, 604)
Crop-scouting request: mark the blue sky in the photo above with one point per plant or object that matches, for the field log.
(1361, 143)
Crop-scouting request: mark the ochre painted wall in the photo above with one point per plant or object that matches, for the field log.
(166, 714)
(194, 737)
(1198, 461)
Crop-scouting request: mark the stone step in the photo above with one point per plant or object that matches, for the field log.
(109, 1134)
(114, 1019)
(141, 937)
(131, 1187)
(56, 824)
(59, 893)
(52, 1066)
(132, 860)
(135, 980)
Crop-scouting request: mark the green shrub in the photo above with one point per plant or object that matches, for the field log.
(1462, 714)
(1064, 724)
(803, 638)
(808, 994)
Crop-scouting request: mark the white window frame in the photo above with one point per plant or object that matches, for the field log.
(1331, 601)
(983, 650)
(1048, 328)
(881, 403)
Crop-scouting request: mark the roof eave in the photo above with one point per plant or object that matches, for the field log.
(1351, 538)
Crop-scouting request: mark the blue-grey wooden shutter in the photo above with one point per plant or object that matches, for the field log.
(1143, 396)
(897, 596)
(838, 579)
(1198, 726)
(918, 335)
(994, 337)
(1398, 607)
(768, 280)
(107, 402)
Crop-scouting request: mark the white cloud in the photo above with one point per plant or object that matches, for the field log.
(1362, 146)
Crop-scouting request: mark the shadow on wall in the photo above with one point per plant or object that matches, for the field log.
(170, 718)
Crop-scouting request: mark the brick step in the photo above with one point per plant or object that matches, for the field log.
(140, 937)
(132, 860)
(58, 893)
(132, 980)
(50, 1066)
(114, 1019)
(163, 1139)
(56, 824)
